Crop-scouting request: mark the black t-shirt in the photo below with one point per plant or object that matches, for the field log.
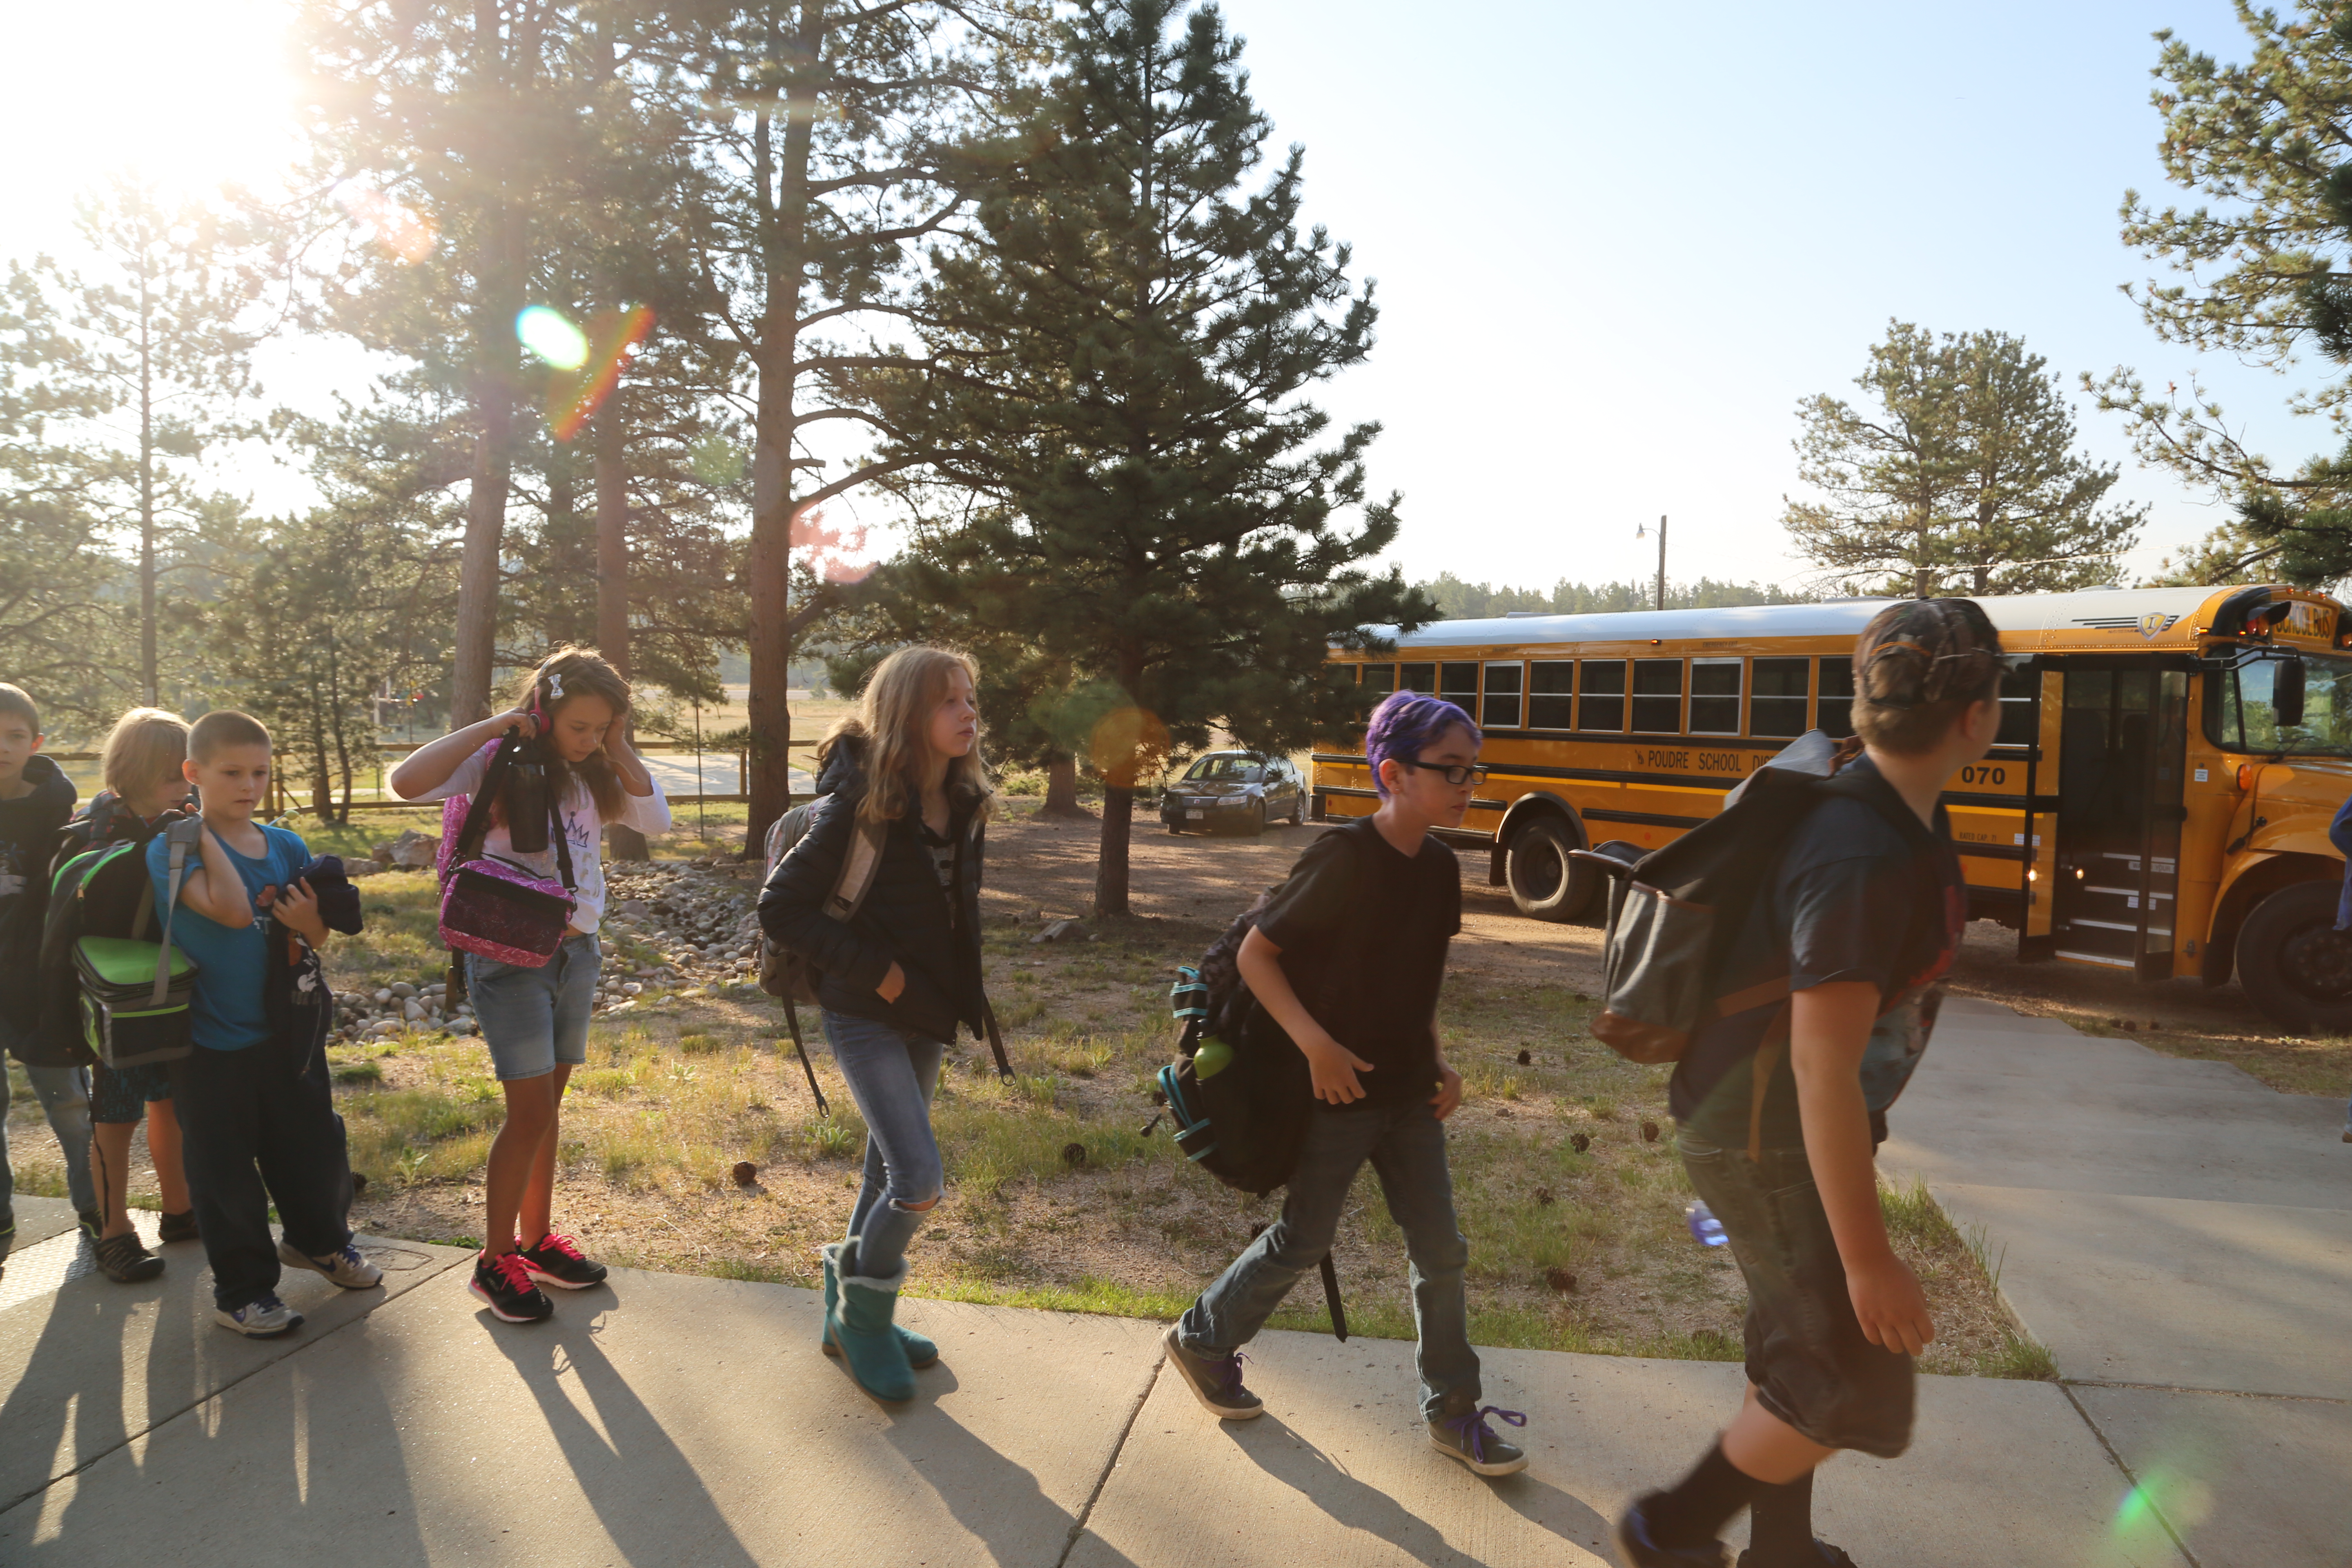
(1856, 897)
(1363, 932)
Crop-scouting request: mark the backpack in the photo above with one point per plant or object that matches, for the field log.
(129, 1001)
(1675, 914)
(99, 886)
(1239, 1092)
(785, 975)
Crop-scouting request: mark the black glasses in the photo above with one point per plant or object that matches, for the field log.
(1456, 774)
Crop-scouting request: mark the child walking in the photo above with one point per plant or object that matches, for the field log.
(1374, 905)
(535, 1021)
(1864, 916)
(255, 1127)
(897, 978)
(36, 799)
(141, 765)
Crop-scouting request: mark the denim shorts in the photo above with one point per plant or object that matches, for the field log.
(1806, 1354)
(533, 1018)
(123, 1094)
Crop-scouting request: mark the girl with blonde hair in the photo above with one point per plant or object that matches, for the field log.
(898, 976)
(535, 1021)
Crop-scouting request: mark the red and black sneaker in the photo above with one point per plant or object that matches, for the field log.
(504, 1282)
(557, 1260)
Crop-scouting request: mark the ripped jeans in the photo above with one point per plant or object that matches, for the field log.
(891, 1073)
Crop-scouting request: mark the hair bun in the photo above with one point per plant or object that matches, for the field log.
(1924, 650)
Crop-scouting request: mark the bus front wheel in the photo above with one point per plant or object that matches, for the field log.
(1545, 884)
(2294, 962)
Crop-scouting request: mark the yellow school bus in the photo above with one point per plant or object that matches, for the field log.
(2159, 801)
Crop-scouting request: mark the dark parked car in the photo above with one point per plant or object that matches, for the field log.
(1234, 789)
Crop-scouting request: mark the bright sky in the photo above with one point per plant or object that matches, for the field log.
(1613, 253)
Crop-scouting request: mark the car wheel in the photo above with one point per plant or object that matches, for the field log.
(1257, 820)
(1545, 884)
(1298, 806)
(2292, 961)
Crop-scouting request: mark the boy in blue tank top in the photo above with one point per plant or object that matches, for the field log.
(256, 1126)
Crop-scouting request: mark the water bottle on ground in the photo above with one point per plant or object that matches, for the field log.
(1704, 1229)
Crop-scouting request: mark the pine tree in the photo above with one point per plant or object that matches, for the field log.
(1121, 366)
(1959, 476)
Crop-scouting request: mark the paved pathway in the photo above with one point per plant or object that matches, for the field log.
(2181, 1237)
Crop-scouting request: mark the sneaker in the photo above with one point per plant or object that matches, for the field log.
(557, 1260)
(124, 1260)
(1641, 1551)
(1468, 1438)
(1215, 1380)
(2348, 1127)
(90, 1221)
(504, 1282)
(8, 1227)
(1831, 1556)
(262, 1320)
(345, 1266)
(181, 1227)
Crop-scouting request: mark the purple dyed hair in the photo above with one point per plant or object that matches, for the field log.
(1406, 724)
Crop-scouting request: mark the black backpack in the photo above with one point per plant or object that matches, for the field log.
(103, 891)
(1675, 914)
(1243, 1121)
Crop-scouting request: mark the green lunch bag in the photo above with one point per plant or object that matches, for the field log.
(135, 994)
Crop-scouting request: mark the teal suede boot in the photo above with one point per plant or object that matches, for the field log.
(860, 1324)
(920, 1351)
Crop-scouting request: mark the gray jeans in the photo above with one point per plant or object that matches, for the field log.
(64, 1094)
(891, 1073)
(1406, 1146)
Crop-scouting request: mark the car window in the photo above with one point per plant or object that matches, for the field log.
(1227, 769)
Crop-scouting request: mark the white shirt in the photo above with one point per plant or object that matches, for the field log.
(583, 828)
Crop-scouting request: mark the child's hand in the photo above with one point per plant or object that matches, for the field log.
(894, 984)
(1890, 1305)
(1334, 1069)
(1448, 1097)
(297, 910)
(514, 717)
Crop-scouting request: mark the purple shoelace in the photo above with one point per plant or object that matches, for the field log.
(1473, 1426)
(1229, 1372)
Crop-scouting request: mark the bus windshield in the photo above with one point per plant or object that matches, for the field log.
(2244, 718)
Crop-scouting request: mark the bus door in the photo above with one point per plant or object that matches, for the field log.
(2122, 741)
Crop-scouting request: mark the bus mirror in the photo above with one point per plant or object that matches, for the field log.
(2286, 694)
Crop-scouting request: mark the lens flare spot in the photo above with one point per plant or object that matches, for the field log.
(546, 333)
(1128, 744)
(611, 342)
(2164, 1497)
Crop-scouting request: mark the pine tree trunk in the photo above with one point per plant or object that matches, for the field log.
(149, 687)
(613, 574)
(1110, 865)
(486, 508)
(1061, 788)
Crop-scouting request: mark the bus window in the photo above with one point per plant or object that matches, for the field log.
(1500, 710)
(1421, 678)
(1550, 705)
(1380, 679)
(1715, 697)
(1658, 695)
(1459, 684)
(1602, 706)
(1836, 704)
(2248, 722)
(2021, 692)
(1777, 700)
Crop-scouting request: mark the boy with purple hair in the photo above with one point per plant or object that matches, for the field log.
(1373, 906)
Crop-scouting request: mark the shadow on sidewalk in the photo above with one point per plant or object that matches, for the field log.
(1291, 1457)
(689, 1525)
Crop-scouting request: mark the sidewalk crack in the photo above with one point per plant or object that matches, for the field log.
(1079, 1526)
(2178, 1544)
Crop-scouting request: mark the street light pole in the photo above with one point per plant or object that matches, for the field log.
(1638, 531)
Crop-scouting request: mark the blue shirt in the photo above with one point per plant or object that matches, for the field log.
(229, 1012)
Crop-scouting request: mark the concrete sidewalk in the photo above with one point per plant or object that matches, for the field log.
(666, 1419)
(2181, 1238)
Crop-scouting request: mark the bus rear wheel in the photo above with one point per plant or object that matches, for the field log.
(2294, 962)
(1545, 884)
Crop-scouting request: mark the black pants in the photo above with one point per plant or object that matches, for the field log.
(254, 1129)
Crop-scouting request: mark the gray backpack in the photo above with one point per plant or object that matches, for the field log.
(1675, 913)
(786, 976)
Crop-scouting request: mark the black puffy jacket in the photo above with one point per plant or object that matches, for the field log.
(906, 918)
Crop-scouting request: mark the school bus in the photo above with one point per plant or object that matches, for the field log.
(2157, 801)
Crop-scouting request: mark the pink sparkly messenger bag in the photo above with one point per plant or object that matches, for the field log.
(493, 907)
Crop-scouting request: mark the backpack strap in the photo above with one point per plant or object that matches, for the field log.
(859, 866)
(562, 843)
(183, 832)
(792, 1017)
